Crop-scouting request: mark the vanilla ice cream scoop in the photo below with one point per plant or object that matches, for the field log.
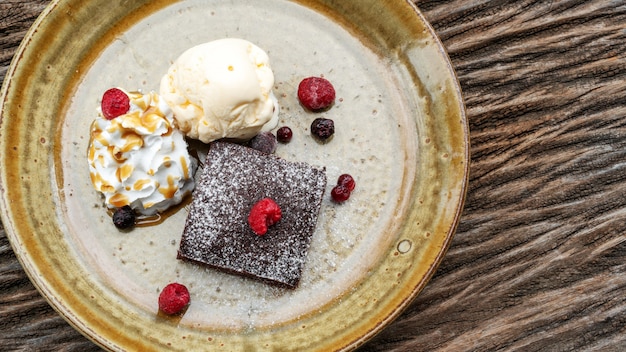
(221, 89)
(139, 159)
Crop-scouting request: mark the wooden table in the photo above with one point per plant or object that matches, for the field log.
(539, 259)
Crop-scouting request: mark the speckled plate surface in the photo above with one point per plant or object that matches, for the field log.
(401, 132)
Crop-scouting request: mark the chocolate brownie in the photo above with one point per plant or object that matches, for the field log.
(217, 233)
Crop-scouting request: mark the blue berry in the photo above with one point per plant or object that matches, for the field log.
(124, 217)
(264, 141)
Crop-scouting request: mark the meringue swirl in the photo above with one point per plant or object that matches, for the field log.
(139, 158)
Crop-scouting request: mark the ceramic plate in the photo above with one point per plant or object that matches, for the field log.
(401, 132)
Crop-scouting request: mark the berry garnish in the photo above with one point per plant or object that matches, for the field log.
(264, 141)
(340, 193)
(322, 128)
(284, 134)
(173, 299)
(124, 217)
(263, 214)
(114, 103)
(346, 180)
(316, 93)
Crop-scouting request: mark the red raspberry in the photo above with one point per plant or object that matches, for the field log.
(340, 193)
(264, 214)
(173, 298)
(347, 181)
(316, 93)
(114, 103)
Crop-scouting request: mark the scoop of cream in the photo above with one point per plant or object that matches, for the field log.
(139, 158)
(221, 89)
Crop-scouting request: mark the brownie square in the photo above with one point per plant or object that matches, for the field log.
(217, 233)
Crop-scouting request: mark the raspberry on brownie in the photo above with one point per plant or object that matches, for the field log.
(234, 179)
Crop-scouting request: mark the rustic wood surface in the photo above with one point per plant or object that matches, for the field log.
(539, 259)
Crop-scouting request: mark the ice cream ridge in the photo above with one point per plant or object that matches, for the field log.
(136, 155)
(221, 90)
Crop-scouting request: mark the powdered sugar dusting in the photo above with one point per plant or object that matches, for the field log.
(233, 180)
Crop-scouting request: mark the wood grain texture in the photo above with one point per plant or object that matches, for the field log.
(539, 259)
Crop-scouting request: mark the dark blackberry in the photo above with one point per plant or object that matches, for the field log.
(322, 128)
(124, 217)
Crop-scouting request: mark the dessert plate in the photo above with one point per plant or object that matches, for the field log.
(401, 131)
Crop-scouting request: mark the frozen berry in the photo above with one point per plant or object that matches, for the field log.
(284, 134)
(264, 141)
(340, 193)
(264, 214)
(322, 128)
(316, 93)
(347, 181)
(114, 103)
(174, 298)
(124, 217)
